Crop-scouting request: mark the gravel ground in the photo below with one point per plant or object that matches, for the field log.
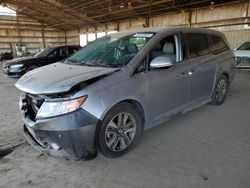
(207, 147)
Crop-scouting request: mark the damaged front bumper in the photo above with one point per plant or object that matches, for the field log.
(69, 136)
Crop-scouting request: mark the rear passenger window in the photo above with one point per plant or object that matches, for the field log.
(218, 45)
(197, 44)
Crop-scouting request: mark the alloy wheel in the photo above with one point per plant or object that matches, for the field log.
(120, 131)
(221, 90)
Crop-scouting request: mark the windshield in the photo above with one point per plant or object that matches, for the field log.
(110, 51)
(244, 46)
(45, 52)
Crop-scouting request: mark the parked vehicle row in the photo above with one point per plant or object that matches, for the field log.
(6, 56)
(19, 66)
(242, 54)
(104, 96)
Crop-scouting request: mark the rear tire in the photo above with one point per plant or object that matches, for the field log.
(120, 130)
(220, 90)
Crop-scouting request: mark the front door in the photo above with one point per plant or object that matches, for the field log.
(167, 87)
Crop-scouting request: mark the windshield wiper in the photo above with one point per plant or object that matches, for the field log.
(95, 64)
(69, 61)
(90, 63)
(115, 65)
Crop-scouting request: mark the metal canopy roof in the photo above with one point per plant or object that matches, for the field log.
(71, 14)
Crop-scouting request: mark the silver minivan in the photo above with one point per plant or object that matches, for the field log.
(104, 96)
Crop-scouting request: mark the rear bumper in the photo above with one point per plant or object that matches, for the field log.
(70, 136)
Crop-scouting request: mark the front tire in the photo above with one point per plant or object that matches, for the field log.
(220, 90)
(120, 130)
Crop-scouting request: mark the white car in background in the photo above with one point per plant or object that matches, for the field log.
(242, 54)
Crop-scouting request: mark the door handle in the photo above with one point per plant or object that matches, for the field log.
(186, 74)
(183, 74)
(192, 71)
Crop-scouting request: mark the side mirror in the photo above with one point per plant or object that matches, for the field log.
(161, 62)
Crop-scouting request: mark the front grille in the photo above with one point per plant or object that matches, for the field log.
(30, 104)
(243, 62)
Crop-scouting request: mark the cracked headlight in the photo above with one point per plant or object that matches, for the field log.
(55, 108)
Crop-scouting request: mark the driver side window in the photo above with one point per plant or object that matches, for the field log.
(63, 52)
(53, 54)
(166, 48)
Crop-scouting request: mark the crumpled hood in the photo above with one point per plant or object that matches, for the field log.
(21, 60)
(242, 53)
(58, 78)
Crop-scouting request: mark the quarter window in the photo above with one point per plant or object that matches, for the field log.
(141, 67)
(197, 44)
(218, 45)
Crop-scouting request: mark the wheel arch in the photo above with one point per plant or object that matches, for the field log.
(135, 103)
(138, 107)
(227, 75)
(218, 75)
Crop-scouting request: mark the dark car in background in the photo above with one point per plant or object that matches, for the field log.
(18, 67)
(6, 56)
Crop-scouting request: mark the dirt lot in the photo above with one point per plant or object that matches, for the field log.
(208, 147)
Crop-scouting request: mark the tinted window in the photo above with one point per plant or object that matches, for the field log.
(53, 54)
(73, 50)
(245, 46)
(45, 52)
(63, 52)
(198, 44)
(218, 45)
(184, 48)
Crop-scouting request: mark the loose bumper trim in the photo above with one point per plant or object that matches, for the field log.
(74, 133)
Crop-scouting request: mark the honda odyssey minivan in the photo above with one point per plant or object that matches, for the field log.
(104, 96)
